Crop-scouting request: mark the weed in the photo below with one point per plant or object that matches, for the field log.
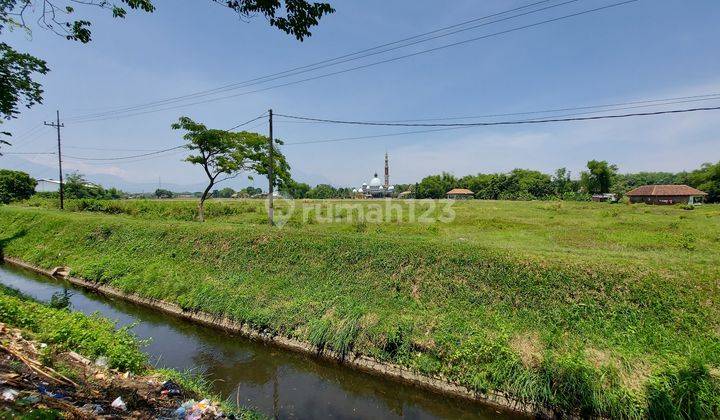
(588, 280)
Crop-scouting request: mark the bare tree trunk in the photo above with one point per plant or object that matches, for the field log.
(201, 205)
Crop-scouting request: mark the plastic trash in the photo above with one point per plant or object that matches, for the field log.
(191, 410)
(9, 394)
(119, 404)
(55, 394)
(101, 361)
(29, 400)
(170, 388)
(95, 409)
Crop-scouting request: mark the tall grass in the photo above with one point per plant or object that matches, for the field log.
(603, 333)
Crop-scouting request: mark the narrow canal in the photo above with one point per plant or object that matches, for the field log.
(277, 382)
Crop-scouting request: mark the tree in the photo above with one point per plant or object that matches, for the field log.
(162, 193)
(531, 184)
(707, 179)
(561, 182)
(252, 191)
(598, 178)
(76, 186)
(226, 192)
(294, 17)
(59, 16)
(296, 189)
(436, 186)
(15, 185)
(16, 84)
(224, 155)
(323, 191)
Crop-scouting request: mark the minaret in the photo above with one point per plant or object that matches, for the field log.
(387, 172)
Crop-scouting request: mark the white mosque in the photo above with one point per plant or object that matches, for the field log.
(376, 188)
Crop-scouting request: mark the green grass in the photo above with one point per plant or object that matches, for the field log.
(93, 337)
(586, 307)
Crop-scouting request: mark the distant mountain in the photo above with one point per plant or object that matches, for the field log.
(107, 180)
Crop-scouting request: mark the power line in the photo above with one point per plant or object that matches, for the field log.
(30, 153)
(314, 66)
(126, 157)
(30, 137)
(248, 122)
(484, 124)
(150, 152)
(440, 127)
(607, 107)
(373, 63)
(127, 161)
(153, 152)
(374, 136)
(106, 149)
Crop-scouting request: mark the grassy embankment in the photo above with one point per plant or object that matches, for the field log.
(604, 309)
(92, 337)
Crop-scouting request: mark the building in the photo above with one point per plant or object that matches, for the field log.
(47, 185)
(376, 188)
(666, 194)
(607, 197)
(460, 194)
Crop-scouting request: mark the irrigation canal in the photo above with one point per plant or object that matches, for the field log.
(277, 382)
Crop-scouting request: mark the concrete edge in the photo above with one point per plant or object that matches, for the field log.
(356, 361)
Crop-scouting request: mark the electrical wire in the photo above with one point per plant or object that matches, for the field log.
(314, 66)
(123, 157)
(514, 122)
(370, 64)
(104, 149)
(30, 153)
(149, 153)
(606, 108)
(127, 161)
(437, 126)
(265, 114)
(374, 136)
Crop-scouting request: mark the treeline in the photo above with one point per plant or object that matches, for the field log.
(321, 191)
(518, 184)
(600, 177)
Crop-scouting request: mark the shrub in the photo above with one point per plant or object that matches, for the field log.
(15, 185)
(91, 336)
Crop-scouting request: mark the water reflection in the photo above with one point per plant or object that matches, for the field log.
(279, 383)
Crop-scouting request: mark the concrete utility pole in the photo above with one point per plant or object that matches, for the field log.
(271, 210)
(62, 189)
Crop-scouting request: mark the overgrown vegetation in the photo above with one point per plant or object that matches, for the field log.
(15, 185)
(584, 307)
(600, 177)
(92, 336)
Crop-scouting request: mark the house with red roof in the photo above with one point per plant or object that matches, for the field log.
(666, 194)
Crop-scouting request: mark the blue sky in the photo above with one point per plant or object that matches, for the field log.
(643, 50)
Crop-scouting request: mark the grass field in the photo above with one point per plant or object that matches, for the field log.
(587, 307)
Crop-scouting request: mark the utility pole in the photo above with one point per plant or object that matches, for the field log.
(59, 153)
(271, 210)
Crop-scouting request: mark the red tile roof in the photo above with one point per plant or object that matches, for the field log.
(665, 190)
(460, 191)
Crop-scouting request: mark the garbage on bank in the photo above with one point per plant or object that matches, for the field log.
(191, 410)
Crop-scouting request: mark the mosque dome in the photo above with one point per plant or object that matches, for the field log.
(375, 182)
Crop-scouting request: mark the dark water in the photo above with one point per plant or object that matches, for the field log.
(276, 382)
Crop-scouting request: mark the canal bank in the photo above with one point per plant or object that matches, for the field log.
(274, 381)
